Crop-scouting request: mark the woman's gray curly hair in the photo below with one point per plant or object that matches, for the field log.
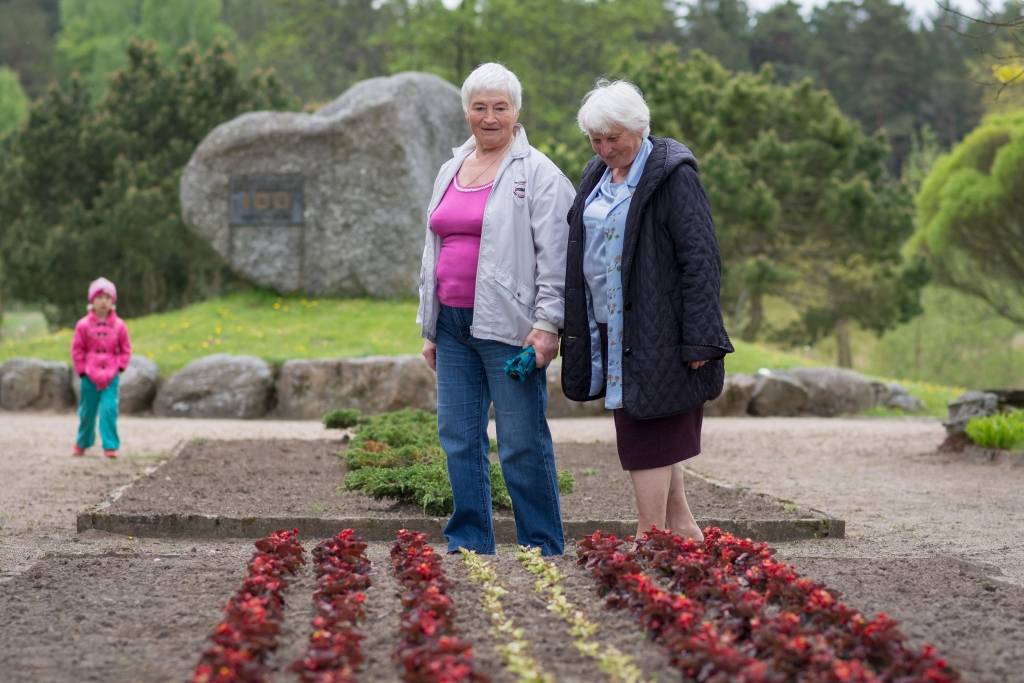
(614, 104)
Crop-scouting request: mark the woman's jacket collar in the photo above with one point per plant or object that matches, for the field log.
(666, 155)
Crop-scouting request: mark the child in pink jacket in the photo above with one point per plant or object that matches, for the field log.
(100, 351)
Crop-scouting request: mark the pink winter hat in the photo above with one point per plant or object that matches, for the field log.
(102, 285)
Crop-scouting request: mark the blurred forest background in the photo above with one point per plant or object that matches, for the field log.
(865, 165)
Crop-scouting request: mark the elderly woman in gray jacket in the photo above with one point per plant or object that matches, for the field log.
(492, 282)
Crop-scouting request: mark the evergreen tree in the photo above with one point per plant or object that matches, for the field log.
(720, 28)
(26, 42)
(970, 216)
(95, 35)
(804, 207)
(13, 101)
(782, 38)
(91, 188)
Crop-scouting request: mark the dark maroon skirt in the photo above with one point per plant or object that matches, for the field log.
(659, 442)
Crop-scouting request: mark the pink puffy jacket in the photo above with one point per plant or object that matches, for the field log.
(101, 348)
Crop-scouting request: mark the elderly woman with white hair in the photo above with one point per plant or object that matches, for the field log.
(643, 324)
(492, 282)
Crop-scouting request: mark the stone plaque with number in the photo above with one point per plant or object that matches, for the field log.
(266, 199)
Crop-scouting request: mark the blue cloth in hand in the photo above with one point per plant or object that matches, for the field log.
(522, 364)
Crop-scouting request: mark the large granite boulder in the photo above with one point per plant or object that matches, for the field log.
(30, 384)
(306, 389)
(137, 387)
(218, 386)
(834, 391)
(735, 398)
(331, 203)
(778, 394)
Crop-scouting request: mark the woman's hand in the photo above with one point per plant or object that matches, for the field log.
(697, 364)
(545, 346)
(430, 354)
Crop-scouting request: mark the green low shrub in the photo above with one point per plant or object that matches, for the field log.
(341, 419)
(397, 455)
(1004, 430)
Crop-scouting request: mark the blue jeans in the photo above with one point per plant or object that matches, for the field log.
(470, 376)
(103, 402)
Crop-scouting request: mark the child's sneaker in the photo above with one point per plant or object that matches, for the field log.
(77, 451)
(110, 454)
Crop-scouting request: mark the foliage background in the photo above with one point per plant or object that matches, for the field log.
(811, 218)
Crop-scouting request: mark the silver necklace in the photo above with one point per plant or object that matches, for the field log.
(500, 155)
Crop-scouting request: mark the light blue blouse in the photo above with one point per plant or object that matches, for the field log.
(604, 217)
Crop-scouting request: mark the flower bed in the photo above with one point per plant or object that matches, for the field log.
(616, 665)
(429, 650)
(734, 613)
(513, 648)
(242, 642)
(334, 652)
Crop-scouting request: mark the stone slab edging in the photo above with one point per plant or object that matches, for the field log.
(384, 529)
(811, 524)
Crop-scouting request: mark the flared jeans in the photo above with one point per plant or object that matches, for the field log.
(470, 377)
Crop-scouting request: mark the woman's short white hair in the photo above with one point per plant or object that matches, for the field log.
(492, 77)
(614, 104)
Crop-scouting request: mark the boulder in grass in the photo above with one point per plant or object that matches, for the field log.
(218, 386)
(31, 384)
(778, 394)
(137, 387)
(834, 391)
(734, 401)
(893, 395)
(307, 389)
(331, 203)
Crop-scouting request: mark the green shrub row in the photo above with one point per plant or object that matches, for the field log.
(398, 455)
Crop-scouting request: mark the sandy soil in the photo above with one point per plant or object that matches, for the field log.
(932, 539)
(297, 478)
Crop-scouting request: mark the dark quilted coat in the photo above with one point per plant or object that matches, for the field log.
(670, 273)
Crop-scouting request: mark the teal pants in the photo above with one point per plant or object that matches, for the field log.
(104, 402)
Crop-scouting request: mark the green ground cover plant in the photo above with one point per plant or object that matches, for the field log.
(1004, 430)
(397, 455)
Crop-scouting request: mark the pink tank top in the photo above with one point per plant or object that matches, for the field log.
(458, 220)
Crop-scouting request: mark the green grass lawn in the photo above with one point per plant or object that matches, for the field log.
(255, 323)
(279, 328)
(22, 325)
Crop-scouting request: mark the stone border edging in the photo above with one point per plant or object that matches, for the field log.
(238, 386)
(384, 529)
(811, 524)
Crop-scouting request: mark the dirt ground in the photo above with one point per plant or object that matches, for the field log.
(297, 478)
(932, 540)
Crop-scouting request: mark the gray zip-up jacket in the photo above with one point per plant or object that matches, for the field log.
(520, 275)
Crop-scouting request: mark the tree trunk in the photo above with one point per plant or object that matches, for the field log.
(843, 349)
(756, 318)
